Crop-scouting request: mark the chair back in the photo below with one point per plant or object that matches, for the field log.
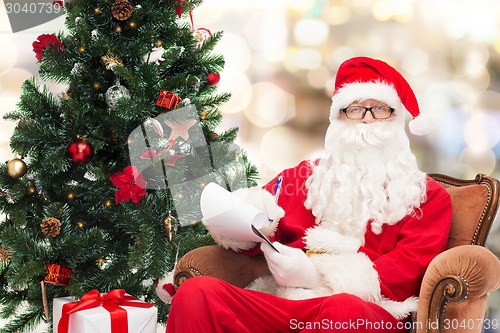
(474, 207)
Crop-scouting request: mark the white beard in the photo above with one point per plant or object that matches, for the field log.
(368, 174)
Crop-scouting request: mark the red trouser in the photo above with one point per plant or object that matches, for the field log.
(209, 305)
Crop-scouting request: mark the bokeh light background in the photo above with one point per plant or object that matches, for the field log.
(282, 56)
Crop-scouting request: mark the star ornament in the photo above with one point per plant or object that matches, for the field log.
(180, 130)
(131, 185)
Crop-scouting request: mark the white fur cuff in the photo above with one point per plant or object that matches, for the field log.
(351, 273)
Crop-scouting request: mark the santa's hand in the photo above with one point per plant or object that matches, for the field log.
(262, 200)
(291, 267)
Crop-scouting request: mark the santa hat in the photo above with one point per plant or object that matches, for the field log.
(363, 78)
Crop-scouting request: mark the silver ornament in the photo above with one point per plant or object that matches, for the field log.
(114, 94)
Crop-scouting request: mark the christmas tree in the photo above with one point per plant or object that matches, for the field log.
(104, 190)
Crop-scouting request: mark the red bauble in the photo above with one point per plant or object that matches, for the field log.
(213, 79)
(80, 151)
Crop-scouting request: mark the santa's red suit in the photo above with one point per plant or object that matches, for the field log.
(387, 270)
(369, 278)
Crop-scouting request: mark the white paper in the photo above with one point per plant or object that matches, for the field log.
(97, 320)
(228, 215)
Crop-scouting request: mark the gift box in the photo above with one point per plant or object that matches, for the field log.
(58, 275)
(114, 312)
(167, 100)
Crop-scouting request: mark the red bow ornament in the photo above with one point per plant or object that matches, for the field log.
(112, 302)
(131, 185)
(44, 41)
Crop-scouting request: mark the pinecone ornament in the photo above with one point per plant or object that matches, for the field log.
(5, 255)
(51, 227)
(122, 10)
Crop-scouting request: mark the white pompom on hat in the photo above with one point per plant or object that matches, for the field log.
(362, 78)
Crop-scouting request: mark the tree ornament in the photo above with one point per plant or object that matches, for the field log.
(122, 10)
(131, 185)
(51, 227)
(95, 34)
(16, 168)
(5, 255)
(167, 100)
(155, 56)
(155, 125)
(201, 35)
(57, 275)
(111, 61)
(213, 79)
(44, 41)
(170, 224)
(114, 94)
(80, 151)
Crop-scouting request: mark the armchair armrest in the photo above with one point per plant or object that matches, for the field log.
(461, 274)
(233, 267)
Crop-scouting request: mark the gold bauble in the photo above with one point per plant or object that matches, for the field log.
(16, 168)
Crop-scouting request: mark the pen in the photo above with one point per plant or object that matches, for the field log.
(277, 189)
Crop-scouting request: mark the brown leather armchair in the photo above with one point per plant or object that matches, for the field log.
(455, 287)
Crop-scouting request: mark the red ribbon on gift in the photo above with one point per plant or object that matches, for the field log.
(110, 301)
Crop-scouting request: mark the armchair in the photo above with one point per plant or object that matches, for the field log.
(454, 289)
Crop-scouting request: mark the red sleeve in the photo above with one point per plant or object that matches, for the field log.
(291, 198)
(420, 239)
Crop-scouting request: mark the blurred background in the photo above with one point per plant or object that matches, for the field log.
(281, 60)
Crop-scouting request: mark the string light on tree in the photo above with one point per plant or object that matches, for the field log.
(31, 189)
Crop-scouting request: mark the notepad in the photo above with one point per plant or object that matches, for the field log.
(231, 217)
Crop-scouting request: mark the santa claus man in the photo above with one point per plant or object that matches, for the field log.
(355, 230)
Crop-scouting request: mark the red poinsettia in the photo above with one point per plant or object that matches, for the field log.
(131, 184)
(44, 41)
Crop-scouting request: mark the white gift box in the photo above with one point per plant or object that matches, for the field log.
(98, 320)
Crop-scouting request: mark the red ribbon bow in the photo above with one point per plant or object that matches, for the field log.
(110, 301)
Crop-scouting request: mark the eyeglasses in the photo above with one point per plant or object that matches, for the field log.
(359, 112)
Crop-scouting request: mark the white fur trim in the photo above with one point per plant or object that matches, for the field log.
(421, 125)
(346, 273)
(265, 284)
(402, 309)
(356, 91)
(322, 239)
(351, 273)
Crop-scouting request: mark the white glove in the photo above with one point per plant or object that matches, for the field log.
(291, 267)
(262, 200)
